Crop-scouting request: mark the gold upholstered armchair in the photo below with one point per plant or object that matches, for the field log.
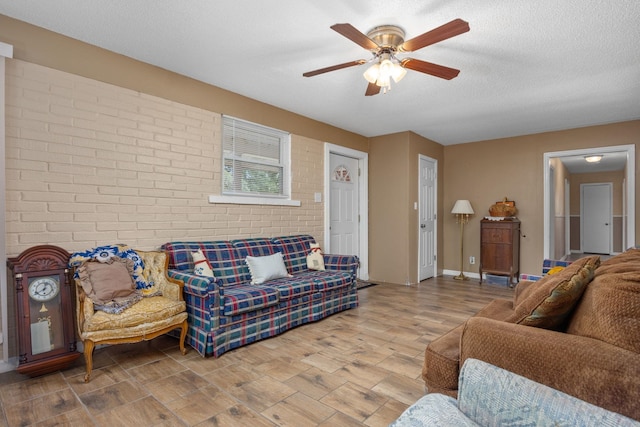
(111, 309)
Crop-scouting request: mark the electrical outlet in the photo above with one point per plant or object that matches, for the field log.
(472, 260)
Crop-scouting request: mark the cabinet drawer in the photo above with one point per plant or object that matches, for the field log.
(496, 235)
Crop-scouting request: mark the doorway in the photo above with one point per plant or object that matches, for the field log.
(628, 196)
(346, 204)
(596, 211)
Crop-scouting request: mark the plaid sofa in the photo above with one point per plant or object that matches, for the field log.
(226, 312)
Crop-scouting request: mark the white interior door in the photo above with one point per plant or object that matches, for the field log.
(344, 209)
(427, 216)
(596, 212)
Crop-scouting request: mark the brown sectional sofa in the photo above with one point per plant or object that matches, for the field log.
(577, 331)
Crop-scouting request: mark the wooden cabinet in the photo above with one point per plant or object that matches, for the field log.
(500, 248)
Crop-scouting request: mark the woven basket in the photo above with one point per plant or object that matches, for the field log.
(502, 209)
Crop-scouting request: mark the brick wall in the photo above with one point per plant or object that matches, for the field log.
(88, 163)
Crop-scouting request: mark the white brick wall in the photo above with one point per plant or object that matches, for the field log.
(88, 163)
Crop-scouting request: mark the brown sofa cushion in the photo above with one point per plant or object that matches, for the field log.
(609, 309)
(551, 300)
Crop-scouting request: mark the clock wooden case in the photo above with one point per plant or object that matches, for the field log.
(44, 310)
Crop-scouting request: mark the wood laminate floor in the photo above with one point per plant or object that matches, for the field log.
(358, 367)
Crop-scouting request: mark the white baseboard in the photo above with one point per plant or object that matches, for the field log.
(456, 272)
(8, 366)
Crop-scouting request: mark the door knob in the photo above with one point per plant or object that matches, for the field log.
(423, 226)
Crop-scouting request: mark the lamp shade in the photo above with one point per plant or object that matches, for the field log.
(462, 207)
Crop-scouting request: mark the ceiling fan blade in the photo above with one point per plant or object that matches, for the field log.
(352, 33)
(372, 89)
(443, 32)
(334, 68)
(430, 68)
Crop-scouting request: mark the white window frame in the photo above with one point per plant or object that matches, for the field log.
(285, 163)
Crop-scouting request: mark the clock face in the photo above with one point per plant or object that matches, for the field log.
(44, 289)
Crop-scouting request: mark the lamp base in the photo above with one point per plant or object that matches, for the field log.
(461, 276)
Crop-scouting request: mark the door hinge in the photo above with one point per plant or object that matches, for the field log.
(359, 172)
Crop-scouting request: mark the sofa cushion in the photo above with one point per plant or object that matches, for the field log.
(245, 297)
(330, 280)
(227, 268)
(295, 250)
(552, 299)
(293, 287)
(265, 268)
(256, 246)
(147, 310)
(609, 309)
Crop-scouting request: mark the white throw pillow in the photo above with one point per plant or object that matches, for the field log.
(264, 268)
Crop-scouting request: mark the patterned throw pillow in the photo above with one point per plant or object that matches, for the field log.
(552, 300)
(315, 260)
(109, 284)
(201, 265)
(265, 268)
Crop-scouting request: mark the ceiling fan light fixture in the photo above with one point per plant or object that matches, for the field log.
(387, 40)
(593, 158)
(398, 72)
(372, 73)
(383, 71)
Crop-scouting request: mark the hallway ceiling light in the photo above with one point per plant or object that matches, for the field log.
(593, 159)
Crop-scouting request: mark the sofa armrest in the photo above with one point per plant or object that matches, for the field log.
(342, 262)
(493, 396)
(193, 284)
(589, 369)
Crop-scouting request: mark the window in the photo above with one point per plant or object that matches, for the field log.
(255, 160)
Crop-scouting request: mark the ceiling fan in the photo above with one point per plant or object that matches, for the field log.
(387, 40)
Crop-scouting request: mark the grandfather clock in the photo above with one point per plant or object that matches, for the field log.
(44, 310)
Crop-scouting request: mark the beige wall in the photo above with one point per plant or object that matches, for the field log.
(39, 46)
(487, 171)
(393, 190)
(89, 163)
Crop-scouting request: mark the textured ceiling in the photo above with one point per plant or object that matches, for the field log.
(526, 66)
